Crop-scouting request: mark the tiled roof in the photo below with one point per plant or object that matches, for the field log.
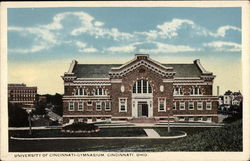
(102, 70)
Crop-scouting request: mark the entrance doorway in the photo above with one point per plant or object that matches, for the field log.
(142, 109)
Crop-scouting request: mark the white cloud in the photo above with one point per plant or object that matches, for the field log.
(83, 47)
(224, 46)
(169, 29)
(98, 23)
(168, 48)
(125, 49)
(223, 29)
(89, 50)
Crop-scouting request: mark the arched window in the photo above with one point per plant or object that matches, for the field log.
(142, 86)
(195, 91)
(178, 91)
(80, 91)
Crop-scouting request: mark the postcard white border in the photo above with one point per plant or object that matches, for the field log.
(227, 156)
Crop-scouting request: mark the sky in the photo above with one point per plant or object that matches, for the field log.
(42, 42)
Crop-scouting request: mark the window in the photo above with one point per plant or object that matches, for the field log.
(122, 104)
(80, 106)
(195, 91)
(191, 105)
(199, 119)
(181, 119)
(71, 106)
(209, 119)
(80, 119)
(142, 86)
(191, 119)
(89, 103)
(107, 107)
(178, 91)
(199, 105)
(100, 92)
(182, 105)
(80, 92)
(161, 104)
(174, 106)
(208, 105)
(98, 106)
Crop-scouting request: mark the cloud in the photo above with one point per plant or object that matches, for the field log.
(224, 46)
(83, 47)
(168, 48)
(125, 49)
(169, 29)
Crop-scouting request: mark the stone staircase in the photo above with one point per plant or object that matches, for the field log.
(143, 120)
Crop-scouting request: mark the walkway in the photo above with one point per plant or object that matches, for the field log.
(152, 133)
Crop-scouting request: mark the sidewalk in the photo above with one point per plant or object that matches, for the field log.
(152, 133)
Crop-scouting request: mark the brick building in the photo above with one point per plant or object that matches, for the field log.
(140, 88)
(21, 94)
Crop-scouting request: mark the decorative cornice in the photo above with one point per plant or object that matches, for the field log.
(139, 63)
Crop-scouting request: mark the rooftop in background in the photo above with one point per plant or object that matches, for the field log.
(14, 85)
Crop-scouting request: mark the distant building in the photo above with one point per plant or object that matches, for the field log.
(139, 89)
(21, 94)
(230, 98)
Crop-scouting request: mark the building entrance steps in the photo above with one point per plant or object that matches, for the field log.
(152, 133)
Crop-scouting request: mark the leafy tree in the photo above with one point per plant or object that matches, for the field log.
(18, 117)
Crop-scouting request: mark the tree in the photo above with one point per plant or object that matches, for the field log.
(18, 117)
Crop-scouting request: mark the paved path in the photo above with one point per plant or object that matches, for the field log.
(152, 133)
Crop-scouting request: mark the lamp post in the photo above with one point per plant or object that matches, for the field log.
(29, 111)
(168, 120)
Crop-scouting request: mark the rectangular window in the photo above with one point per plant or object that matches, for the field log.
(161, 104)
(144, 86)
(107, 107)
(191, 105)
(199, 105)
(122, 104)
(71, 106)
(181, 119)
(138, 86)
(80, 106)
(98, 106)
(208, 105)
(182, 105)
(174, 106)
(209, 119)
(191, 119)
(199, 119)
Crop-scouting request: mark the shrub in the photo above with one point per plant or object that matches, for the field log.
(80, 127)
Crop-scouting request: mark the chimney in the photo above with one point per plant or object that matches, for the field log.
(218, 91)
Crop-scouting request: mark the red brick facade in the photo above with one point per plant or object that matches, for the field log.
(21, 94)
(139, 88)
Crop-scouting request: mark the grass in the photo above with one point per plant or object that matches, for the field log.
(227, 138)
(163, 131)
(116, 132)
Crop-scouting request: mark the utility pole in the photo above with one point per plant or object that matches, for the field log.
(168, 120)
(29, 111)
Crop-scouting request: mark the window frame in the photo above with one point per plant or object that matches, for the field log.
(184, 107)
(82, 103)
(163, 99)
(69, 106)
(190, 103)
(98, 103)
(174, 105)
(142, 86)
(125, 104)
(207, 103)
(201, 106)
(109, 105)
